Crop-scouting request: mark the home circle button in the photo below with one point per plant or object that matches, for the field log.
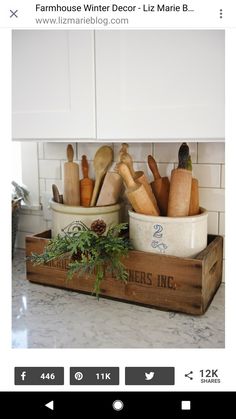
(117, 405)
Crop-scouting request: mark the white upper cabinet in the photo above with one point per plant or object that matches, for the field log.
(53, 90)
(160, 84)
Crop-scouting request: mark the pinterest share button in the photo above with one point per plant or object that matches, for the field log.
(94, 376)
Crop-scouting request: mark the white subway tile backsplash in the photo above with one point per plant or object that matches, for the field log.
(168, 152)
(222, 224)
(212, 223)
(212, 199)
(89, 149)
(138, 151)
(211, 152)
(50, 169)
(40, 151)
(222, 176)
(42, 183)
(57, 151)
(208, 175)
(223, 271)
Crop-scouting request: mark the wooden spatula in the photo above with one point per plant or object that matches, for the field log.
(71, 180)
(102, 161)
(56, 195)
(86, 184)
(136, 193)
(111, 189)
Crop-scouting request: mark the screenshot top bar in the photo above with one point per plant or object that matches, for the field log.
(118, 14)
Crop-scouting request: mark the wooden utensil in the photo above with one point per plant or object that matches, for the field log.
(194, 199)
(139, 176)
(111, 189)
(136, 193)
(102, 160)
(55, 193)
(86, 184)
(180, 186)
(160, 186)
(71, 180)
(180, 192)
(124, 149)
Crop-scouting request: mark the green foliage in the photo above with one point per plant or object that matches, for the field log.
(90, 253)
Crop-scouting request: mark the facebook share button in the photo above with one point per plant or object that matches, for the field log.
(39, 376)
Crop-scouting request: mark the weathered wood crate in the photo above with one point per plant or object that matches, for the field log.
(160, 281)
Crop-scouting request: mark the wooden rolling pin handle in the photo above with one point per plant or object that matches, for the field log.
(153, 167)
(85, 166)
(124, 149)
(126, 158)
(70, 153)
(126, 175)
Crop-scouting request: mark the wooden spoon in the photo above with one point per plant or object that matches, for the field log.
(102, 161)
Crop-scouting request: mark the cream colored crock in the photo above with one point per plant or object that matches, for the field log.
(177, 236)
(64, 217)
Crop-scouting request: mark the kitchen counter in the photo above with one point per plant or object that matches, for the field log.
(46, 317)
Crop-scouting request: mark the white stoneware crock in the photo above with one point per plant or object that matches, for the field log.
(65, 217)
(177, 236)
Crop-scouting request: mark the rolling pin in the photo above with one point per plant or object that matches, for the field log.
(136, 193)
(86, 184)
(139, 177)
(160, 186)
(194, 198)
(180, 186)
(124, 148)
(71, 180)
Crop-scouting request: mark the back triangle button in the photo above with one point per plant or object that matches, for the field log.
(50, 405)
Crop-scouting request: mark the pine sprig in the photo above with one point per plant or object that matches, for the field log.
(90, 253)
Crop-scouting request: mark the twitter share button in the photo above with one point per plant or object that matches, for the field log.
(157, 376)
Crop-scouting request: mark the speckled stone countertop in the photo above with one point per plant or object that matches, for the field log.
(46, 317)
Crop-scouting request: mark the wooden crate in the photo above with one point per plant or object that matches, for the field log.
(160, 281)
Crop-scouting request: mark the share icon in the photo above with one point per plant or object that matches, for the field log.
(188, 375)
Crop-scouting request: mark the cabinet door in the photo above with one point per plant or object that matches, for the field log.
(53, 91)
(160, 84)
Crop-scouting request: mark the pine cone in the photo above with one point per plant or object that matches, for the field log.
(99, 227)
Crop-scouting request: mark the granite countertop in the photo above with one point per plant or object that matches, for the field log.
(46, 317)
